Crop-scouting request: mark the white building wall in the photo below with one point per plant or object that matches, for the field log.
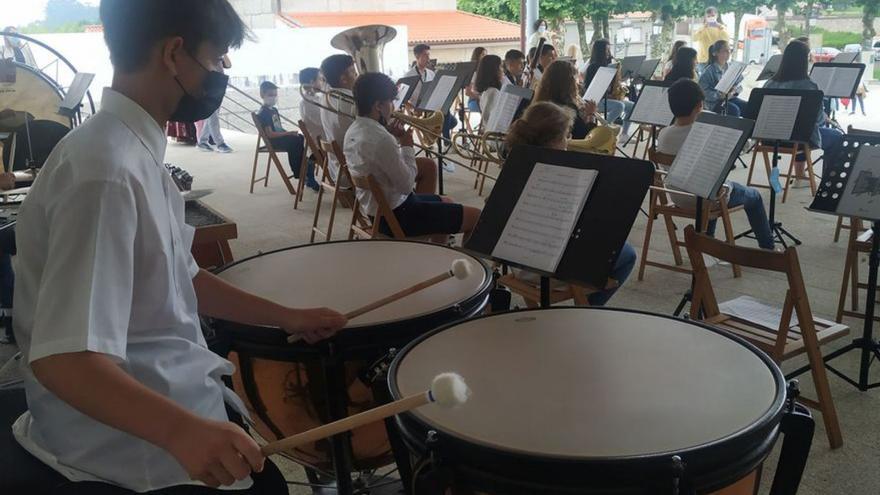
(364, 5)
(257, 14)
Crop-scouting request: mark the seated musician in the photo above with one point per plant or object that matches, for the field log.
(548, 125)
(339, 73)
(123, 394)
(794, 74)
(422, 69)
(290, 142)
(686, 102)
(559, 86)
(547, 57)
(719, 56)
(619, 107)
(684, 65)
(667, 66)
(488, 82)
(514, 65)
(471, 90)
(309, 112)
(373, 147)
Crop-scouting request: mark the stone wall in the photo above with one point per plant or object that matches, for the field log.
(257, 14)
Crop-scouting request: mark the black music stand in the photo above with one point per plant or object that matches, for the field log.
(770, 68)
(845, 58)
(728, 133)
(630, 66)
(803, 122)
(850, 184)
(652, 108)
(647, 69)
(599, 232)
(837, 80)
(411, 82)
(502, 118)
(75, 94)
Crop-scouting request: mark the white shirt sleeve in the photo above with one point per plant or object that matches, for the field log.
(401, 173)
(90, 263)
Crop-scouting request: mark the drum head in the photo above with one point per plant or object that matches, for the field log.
(591, 384)
(34, 93)
(347, 275)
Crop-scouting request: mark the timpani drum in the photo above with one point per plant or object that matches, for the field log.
(290, 388)
(591, 400)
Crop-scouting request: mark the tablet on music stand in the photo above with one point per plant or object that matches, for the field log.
(406, 86)
(652, 107)
(837, 80)
(600, 83)
(75, 94)
(731, 77)
(561, 214)
(845, 58)
(770, 68)
(630, 66)
(647, 69)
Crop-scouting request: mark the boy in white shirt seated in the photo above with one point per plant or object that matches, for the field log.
(686, 102)
(372, 147)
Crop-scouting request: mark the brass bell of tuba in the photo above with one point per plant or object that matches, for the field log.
(365, 44)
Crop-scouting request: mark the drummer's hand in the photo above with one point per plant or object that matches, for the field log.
(313, 325)
(217, 453)
(7, 181)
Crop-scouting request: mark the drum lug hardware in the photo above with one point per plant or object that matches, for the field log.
(794, 391)
(677, 474)
(431, 444)
(378, 369)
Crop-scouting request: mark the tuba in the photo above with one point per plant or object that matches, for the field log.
(366, 45)
(601, 141)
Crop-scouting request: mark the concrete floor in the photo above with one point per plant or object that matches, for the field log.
(266, 221)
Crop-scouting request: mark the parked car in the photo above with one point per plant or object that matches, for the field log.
(853, 48)
(824, 54)
(876, 47)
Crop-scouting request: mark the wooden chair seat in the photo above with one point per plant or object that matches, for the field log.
(766, 152)
(531, 292)
(766, 339)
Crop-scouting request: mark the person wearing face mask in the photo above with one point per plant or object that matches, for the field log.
(713, 30)
(290, 142)
(541, 31)
(13, 46)
(123, 393)
(374, 146)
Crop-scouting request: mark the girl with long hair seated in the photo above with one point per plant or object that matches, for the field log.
(684, 65)
(667, 66)
(559, 86)
(488, 81)
(600, 56)
(472, 93)
(548, 125)
(719, 56)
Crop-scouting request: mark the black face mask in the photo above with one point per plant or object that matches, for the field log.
(194, 109)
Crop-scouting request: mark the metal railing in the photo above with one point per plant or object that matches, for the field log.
(233, 108)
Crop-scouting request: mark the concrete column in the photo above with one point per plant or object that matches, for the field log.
(531, 16)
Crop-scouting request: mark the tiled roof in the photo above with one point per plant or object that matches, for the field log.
(437, 27)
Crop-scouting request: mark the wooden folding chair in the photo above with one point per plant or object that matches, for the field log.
(784, 342)
(840, 227)
(791, 151)
(264, 146)
(859, 242)
(311, 148)
(340, 195)
(362, 226)
(661, 204)
(645, 135)
(531, 293)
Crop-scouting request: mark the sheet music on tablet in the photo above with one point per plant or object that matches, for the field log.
(503, 112)
(836, 82)
(653, 107)
(599, 85)
(445, 85)
(538, 230)
(703, 158)
(729, 79)
(777, 117)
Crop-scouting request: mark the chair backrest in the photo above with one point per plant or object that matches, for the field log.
(658, 158)
(383, 208)
(262, 139)
(780, 262)
(311, 142)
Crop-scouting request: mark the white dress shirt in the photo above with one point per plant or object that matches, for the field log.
(310, 113)
(425, 77)
(335, 125)
(371, 150)
(104, 265)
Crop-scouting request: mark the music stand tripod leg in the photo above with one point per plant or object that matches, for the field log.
(779, 232)
(545, 292)
(334, 387)
(689, 295)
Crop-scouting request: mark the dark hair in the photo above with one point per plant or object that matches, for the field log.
(675, 46)
(512, 55)
(803, 39)
(542, 123)
(714, 48)
(684, 96)
(267, 86)
(548, 47)
(538, 24)
(420, 49)
(487, 73)
(711, 10)
(599, 53)
(795, 61)
(559, 84)
(372, 88)
(684, 65)
(308, 75)
(478, 53)
(334, 66)
(133, 27)
(532, 51)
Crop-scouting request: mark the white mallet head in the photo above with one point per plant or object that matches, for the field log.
(461, 269)
(449, 390)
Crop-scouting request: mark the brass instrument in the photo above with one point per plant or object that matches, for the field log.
(365, 44)
(618, 90)
(602, 140)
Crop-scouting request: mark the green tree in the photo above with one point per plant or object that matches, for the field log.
(782, 7)
(506, 10)
(870, 9)
(667, 12)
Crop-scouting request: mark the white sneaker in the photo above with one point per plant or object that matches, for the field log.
(449, 168)
(622, 139)
(801, 183)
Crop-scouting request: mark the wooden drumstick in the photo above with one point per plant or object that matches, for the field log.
(447, 390)
(461, 269)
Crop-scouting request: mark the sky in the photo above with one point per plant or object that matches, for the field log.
(21, 12)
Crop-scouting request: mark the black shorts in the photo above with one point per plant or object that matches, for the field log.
(426, 214)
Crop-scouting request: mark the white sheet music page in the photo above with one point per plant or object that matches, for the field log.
(537, 232)
(776, 117)
(503, 112)
(754, 311)
(441, 92)
(402, 90)
(653, 107)
(702, 159)
(599, 85)
(728, 80)
(861, 196)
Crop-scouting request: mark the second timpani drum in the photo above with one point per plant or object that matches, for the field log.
(589, 400)
(290, 388)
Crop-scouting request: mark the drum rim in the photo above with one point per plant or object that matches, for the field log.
(776, 409)
(487, 283)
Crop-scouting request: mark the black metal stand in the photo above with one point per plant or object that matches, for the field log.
(461, 112)
(440, 163)
(689, 295)
(866, 344)
(797, 426)
(779, 232)
(545, 292)
(334, 381)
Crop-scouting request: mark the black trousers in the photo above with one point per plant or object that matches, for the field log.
(294, 146)
(22, 473)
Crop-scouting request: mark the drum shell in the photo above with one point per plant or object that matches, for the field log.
(707, 468)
